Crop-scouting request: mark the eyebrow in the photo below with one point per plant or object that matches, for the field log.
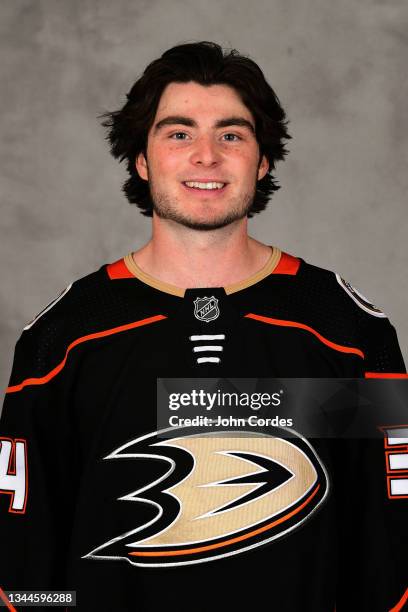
(220, 123)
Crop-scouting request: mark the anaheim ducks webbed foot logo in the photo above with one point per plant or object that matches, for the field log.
(219, 495)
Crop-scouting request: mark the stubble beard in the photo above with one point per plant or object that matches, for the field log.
(165, 207)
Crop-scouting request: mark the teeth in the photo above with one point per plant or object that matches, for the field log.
(204, 185)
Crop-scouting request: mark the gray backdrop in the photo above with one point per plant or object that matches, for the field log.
(339, 69)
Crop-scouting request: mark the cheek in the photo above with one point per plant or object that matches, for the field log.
(168, 158)
(247, 158)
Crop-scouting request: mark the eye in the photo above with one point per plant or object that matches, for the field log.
(234, 138)
(234, 135)
(177, 134)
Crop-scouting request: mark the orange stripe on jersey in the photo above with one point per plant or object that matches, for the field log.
(401, 602)
(118, 269)
(287, 265)
(6, 601)
(267, 527)
(107, 332)
(385, 375)
(283, 323)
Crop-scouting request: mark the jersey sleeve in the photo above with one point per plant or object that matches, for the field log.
(372, 483)
(372, 511)
(37, 469)
(371, 474)
(376, 335)
(383, 357)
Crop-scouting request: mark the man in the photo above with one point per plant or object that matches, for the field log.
(93, 498)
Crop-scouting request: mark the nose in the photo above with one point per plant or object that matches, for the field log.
(205, 151)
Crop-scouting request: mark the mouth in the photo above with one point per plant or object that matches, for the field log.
(205, 188)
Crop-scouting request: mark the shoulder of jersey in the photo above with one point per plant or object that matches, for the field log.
(89, 308)
(91, 304)
(334, 288)
(66, 305)
(46, 340)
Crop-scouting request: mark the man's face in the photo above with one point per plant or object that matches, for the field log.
(205, 135)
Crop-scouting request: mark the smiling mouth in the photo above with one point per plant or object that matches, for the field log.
(205, 187)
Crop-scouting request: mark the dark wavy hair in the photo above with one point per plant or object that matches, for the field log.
(205, 63)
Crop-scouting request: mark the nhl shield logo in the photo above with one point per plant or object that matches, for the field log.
(206, 308)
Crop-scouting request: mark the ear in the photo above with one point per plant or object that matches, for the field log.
(263, 167)
(141, 166)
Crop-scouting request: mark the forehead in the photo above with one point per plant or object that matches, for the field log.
(200, 100)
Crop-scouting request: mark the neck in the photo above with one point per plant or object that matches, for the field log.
(190, 258)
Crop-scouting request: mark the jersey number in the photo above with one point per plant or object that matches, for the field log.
(13, 472)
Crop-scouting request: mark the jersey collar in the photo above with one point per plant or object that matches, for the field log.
(143, 276)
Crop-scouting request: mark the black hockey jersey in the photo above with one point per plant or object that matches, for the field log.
(93, 500)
